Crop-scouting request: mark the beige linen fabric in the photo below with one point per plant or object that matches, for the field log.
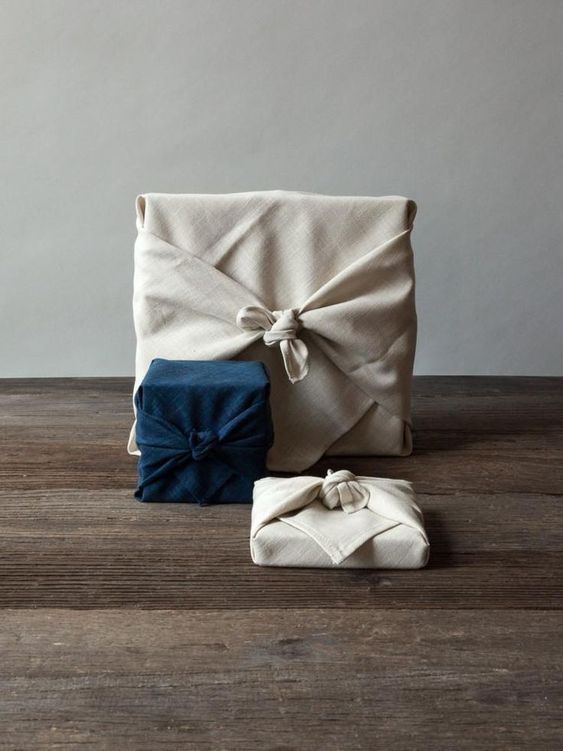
(342, 521)
(319, 288)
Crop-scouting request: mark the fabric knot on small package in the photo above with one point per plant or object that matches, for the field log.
(203, 430)
(342, 521)
(319, 288)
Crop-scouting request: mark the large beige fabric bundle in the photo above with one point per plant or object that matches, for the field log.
(319, 288)
(343, 520)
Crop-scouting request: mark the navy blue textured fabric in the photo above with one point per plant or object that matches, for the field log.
(203, 429)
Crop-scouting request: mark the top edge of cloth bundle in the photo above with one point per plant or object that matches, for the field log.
(319, 288)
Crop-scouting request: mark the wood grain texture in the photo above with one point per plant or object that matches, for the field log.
(280, 679)
(102, 549)
(144, 626)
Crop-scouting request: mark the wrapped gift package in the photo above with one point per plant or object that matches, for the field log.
(342, 521)
(319, 288)
(203, 430)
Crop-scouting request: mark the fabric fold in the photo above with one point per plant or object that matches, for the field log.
(343, 520)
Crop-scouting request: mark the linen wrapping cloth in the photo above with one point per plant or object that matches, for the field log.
(203, 429)
(342, 521)
(319, 288)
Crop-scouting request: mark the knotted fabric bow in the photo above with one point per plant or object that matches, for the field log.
(342, 489)
(280, 330)
(177, 464)
(202, 443)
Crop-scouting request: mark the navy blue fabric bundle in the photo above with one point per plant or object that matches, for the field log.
(203, 430)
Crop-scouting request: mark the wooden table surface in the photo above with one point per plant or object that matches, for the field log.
(146, 626)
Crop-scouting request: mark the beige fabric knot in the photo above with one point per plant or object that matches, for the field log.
(280, 330)
(343, 489)
(284, 327)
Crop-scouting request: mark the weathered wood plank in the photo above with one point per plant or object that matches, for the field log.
(220, 575)
(281, 680)
(78, 518)
(434, 385)
(56, 465)
(476, 435)
(465, 404)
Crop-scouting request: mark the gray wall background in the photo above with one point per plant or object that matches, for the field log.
(457, 104)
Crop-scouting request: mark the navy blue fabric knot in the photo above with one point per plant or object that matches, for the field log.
(202, 443)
